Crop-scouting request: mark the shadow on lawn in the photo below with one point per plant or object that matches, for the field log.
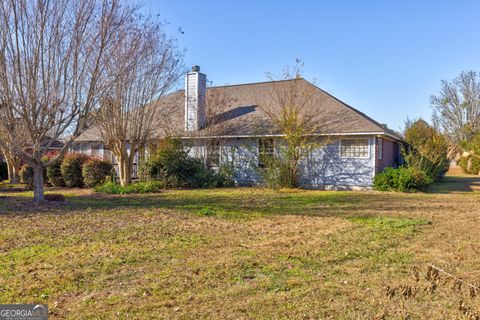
(456, 184)
(248, 202)
(236, 203)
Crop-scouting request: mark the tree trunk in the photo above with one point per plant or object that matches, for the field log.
(38, 191)
(124, 161)
(124, 170)
(13, 165)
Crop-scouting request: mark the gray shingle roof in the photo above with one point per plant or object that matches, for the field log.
(244, 116)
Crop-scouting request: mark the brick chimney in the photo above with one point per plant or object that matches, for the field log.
(195, 88)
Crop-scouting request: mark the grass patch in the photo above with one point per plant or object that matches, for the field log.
(236, 253)
(389, 223)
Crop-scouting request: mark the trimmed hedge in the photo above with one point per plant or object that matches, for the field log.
(95, 172)
(71, 169)
(401, 179)
(54, 175)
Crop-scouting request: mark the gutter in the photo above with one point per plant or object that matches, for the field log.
(378, 133)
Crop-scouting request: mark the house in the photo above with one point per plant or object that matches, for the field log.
(241, 134)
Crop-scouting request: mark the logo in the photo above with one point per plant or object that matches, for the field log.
(23, 312)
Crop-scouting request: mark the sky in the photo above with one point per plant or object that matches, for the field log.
(385, 58)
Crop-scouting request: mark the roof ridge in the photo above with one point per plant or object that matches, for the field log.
(254, 83)
(236, 85)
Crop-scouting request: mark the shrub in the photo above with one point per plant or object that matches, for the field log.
(95, 172)
(71, 168)
(470, 164)
(175, 168)
(3, 171)
(473, 165)
(401, 179)
(427, 149)
(463, 163)
(54, 174)
(276, 174)
(55, 197)
(26, 174)
(138, 187)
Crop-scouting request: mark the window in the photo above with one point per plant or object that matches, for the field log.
(354, 148)
(266, 150)
(84, 148)
(380, 148)
(213, 154)
(96, 150)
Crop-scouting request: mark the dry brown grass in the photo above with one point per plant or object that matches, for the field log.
(246, 254)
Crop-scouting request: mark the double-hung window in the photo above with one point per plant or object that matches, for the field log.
(266, 151)
(212, 158)
(354, 148)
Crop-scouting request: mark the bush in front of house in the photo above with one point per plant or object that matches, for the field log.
(402, 179)
(172, 165)
(54, 174)
(3, 171)
(95, 172)
(26, 174)
(134, 188)
(276, 173)
(71, 169)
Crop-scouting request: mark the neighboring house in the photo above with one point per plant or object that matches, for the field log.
(358, 147)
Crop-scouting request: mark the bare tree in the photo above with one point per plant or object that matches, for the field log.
(52, 58)
(144, 65)
(13, 161)
(292, 108)
(456, 109)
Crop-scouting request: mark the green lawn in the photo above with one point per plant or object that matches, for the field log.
(245, 253)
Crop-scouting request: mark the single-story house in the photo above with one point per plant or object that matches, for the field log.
(242, 133)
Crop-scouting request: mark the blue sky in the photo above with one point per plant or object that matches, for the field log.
(383, 57)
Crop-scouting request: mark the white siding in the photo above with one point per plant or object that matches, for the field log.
(324, 168)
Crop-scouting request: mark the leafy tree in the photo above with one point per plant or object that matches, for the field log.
(427, 149)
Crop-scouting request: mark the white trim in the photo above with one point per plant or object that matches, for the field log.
(282, 135)
(368, 146)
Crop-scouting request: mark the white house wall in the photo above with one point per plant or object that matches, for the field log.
(242, 155)
(325, 168)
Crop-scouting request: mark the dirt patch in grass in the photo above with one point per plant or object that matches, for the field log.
(244, 254)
